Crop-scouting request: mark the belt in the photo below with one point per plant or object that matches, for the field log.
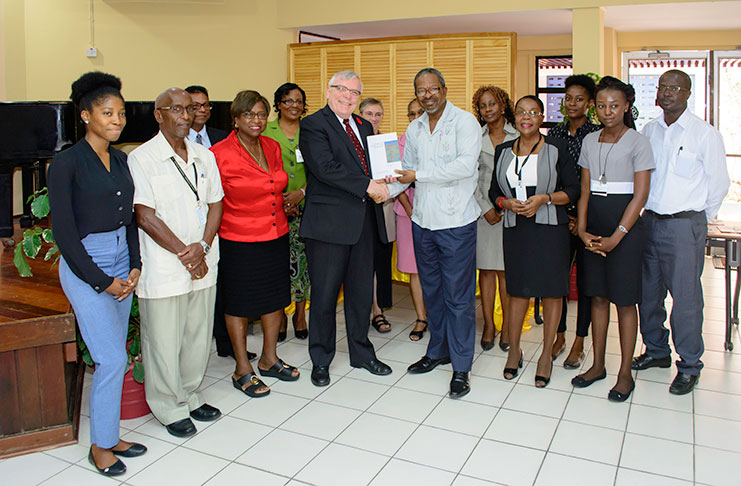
(681, 214)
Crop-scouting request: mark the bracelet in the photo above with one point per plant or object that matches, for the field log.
(303, 191)
(499, 201)
(623, 229)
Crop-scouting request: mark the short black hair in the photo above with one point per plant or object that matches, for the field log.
(535, 99)
(584, 81)
(283, 90)
(430, 70)
(683, 75)
(197, 89)
(92, 87)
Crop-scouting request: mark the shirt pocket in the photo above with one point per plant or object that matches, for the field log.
(686, 164)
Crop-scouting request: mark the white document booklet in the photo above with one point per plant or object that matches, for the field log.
(384, 154)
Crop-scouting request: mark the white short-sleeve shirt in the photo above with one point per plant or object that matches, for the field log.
(159, 185)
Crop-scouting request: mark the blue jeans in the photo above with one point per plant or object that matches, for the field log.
(104, 324)
(446, 261)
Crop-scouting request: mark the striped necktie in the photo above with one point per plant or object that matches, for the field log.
(357, 145)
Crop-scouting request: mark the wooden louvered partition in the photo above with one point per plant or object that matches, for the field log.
(387, 68)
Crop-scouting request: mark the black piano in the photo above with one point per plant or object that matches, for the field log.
(32, 133)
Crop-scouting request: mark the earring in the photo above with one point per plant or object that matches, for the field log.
(86, 122)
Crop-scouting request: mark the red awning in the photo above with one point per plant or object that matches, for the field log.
(667, 63)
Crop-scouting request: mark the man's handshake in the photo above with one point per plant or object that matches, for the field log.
(378, 191)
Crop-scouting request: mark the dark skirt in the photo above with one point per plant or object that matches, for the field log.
(536, 259)
(254, 278)
(616, 277)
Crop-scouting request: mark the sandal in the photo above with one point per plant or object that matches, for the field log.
(513, 372)
(542, 381)
(281, 371)
(380, 320)
(418, 334)
(255, 384)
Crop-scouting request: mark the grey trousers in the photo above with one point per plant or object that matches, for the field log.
(673, 260)
(176, 344)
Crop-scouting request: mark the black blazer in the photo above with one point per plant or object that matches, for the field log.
(216, 135)
(335, 182)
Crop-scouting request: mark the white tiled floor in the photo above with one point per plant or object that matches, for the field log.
(403, 430)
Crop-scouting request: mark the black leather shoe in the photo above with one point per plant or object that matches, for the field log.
(205, 413)
(459, 384)
(427, 364)
(116, 469)
(182, 428)
(644, 362)
(224, 354)
(683, 383)
(580, 382)
(320, 375)
(375, 366)
(135, 450)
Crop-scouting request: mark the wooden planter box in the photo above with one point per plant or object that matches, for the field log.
(40, 384)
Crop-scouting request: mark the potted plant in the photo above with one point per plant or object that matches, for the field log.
(133, 403)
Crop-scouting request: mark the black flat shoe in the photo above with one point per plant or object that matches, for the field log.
(683, 383)
(135, 450)
(427, 364)
(644, 362)
(181, 428)
(375, 366)
(616, 396)
(418, 334)
(118, 468)
(514, 371)
(320, 375)
(281, 371)
(205, 413)
(542, 381)
(459, 385)
(580, 382)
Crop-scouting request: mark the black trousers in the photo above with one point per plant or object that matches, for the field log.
(223, 343)
(382, 254)
(584, 303)
(331, 266)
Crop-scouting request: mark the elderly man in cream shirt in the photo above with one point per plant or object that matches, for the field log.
(177, 199)
(441, 155)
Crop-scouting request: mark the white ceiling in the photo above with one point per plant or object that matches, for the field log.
(667, 16)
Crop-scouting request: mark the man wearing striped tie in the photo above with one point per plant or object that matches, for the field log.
(199, 132)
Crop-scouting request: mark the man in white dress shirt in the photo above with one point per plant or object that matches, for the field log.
(441, 156)
(177, 200)
(687, 189)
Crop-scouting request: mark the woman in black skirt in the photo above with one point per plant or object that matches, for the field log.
(254, 276)
(616, 163)
(534, 179)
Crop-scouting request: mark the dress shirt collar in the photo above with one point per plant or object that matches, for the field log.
(683, 121)
(166, 151)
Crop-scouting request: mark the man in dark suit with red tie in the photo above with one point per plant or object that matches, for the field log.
(340, 221)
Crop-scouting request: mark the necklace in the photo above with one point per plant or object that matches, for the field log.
(259, 151)
(602, 178)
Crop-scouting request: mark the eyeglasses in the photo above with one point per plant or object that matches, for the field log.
(291, 102)
(345, 89)
(672, 89)
(433, 91)
(531, 113)
(250, 115)
(205, 106)
(178, 109)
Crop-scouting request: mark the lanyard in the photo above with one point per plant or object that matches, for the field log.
(190, 184)
(518, 168)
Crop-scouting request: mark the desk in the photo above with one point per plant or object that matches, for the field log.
(730, 233)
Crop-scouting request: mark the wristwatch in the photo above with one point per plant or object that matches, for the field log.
(550, 199)
(206, 247)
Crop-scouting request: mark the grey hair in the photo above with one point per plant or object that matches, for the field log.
(430, 70)
(347, 76)
(370, 101)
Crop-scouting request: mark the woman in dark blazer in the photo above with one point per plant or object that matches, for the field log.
(534, 179)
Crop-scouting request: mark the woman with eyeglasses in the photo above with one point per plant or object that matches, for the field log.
(534, 179)
(289, 102)
(616, 164)
(254, 268)
(405, 260)
(494, 110)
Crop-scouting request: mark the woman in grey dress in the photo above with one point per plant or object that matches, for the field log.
(493, 108)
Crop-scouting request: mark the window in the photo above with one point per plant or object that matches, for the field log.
(550, 74)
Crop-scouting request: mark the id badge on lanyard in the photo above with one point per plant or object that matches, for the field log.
(520, 191)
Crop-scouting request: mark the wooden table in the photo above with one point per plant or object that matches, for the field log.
(729, 232)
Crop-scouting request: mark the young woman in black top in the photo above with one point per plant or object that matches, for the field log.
(91, 195)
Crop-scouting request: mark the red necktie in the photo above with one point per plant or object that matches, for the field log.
(357, 145)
